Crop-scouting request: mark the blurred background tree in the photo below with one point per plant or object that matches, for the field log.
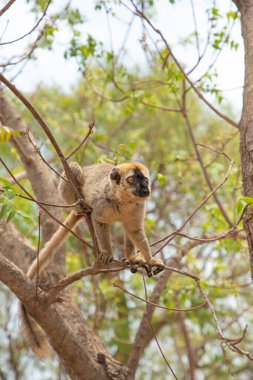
(146, 113)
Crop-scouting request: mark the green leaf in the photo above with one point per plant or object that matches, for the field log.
(7, 184)
(231, 14)
(242, 203)
(162, 179)
(11, 215)
(9, 193)
(5, 208)
(23, 214)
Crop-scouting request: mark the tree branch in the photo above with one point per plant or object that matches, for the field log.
(6, 7)
(35, 26)
(180, 67)
(80, 357)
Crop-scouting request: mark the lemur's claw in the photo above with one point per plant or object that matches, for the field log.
(157, 269)
(151, 270)
(148, 269)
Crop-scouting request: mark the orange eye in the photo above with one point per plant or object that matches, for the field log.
(130, 179)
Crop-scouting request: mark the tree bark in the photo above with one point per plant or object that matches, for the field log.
(246, 124)
(80, 350)
(38, 173)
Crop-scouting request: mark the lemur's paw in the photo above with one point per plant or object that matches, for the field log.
(104, 260)
(154, 261)
(134, 262)
(154, 267)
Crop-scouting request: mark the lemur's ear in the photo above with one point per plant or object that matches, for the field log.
(115, 175)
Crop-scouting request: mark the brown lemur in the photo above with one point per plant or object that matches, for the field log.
(114, 194)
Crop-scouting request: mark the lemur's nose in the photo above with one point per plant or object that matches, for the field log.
(144, 191)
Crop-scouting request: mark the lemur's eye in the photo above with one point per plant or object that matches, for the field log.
(130, 180)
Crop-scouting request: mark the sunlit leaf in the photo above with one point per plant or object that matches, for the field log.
(5, 208)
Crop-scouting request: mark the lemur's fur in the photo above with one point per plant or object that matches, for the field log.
(115, 194)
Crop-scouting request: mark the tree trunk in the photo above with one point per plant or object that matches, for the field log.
(81, 352)
(246, 124)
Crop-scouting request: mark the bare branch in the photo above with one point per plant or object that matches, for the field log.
(196, 28)
(161, 107)
(171, 236)
(143, 332)
(199, 158)
(116, 285)
(90, 126)
(6, 7)
(230, 343)
(37, 150)
(180, 67)
(70, 176)
(153, 331)
(93, 270)
(46, 203)
(43, 208)
(51, 317)
(35, 26)
(189, 346)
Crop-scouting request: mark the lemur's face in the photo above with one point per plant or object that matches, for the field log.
(132, 180)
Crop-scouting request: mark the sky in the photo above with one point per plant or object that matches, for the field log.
(175, 22)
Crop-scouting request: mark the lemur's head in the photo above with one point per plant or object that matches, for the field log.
(131, 181)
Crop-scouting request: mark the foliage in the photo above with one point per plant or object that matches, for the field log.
(133, 122)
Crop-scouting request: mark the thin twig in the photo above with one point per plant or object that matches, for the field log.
(153, 331)
(116, 285)
(199, 158)
(47, 204)
(232, 341)
(219, 51)
(183, 272)
(196, 28)
(68, 280)
(69, 174)
(161, 107)
(90, 126)
(172, 235)
(35, 26)
(24, 56)
(43, 208)
(38, 255)
(180, 67)
(37, 150)
(215, 150)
